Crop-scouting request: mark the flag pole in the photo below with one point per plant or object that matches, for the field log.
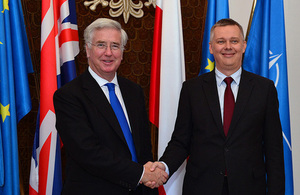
(154, 141)
(251, 17)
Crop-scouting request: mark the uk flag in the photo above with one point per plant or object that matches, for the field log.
(59, 46)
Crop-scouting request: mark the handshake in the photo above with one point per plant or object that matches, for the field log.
(154, 174)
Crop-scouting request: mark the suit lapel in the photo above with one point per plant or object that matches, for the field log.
(211, 93)
(245, 89)
(98, 98)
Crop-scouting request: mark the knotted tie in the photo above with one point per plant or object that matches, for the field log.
(228, 105)
(115, 104)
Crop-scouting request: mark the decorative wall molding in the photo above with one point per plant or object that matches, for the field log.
(150, 2)
(125, 7)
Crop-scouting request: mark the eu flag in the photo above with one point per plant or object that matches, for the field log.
(15, 102)
(216, 10)
(266, 55)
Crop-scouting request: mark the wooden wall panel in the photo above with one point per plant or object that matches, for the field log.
(136, 65)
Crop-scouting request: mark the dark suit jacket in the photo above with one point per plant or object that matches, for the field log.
(98, 158)
(251, 151)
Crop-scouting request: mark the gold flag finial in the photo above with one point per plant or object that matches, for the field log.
(251, 17)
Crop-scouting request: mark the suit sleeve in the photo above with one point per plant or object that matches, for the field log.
(179, 146)
(273, 145)
(145, 137)
(85, 147)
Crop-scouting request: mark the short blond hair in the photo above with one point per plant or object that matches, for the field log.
(225, 22)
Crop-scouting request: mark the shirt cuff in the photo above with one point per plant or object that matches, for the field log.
(167, 168)
(141, 176)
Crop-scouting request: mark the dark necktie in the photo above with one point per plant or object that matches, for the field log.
(115, 104)
(228, 105)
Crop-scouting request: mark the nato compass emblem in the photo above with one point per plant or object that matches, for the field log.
(273, 61)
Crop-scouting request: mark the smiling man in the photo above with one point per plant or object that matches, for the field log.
(227, 45)
(102, 121)
(230, 132)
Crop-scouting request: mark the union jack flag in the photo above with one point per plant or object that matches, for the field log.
(59, 46)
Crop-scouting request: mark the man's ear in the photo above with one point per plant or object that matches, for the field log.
(210, 48)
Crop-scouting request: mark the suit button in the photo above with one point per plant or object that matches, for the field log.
(221, 173)
(226, 149)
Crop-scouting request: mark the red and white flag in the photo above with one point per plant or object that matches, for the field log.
(59, 46)
(167, 76)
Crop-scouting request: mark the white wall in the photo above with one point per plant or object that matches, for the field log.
(240, 11)
(293, 47)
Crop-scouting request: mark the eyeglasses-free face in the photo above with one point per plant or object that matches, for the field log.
(227, 46)
(105, 53)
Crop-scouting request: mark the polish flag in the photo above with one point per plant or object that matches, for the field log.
(167, 76)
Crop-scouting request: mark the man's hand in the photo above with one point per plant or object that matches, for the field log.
(157, 165)
(154, 175)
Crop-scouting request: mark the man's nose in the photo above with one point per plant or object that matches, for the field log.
(228, 45)
(108, 50)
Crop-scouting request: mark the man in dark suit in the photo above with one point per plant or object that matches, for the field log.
(99, 158)
(246, 158)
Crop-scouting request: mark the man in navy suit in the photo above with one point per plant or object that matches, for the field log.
(248, 158)
(99, 160)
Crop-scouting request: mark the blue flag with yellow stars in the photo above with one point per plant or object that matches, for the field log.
(15, 101)
(216, 10)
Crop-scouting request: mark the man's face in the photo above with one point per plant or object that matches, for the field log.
(105, 61)
(227, 46)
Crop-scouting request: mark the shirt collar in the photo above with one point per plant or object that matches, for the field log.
(220, 76)
(101, 82)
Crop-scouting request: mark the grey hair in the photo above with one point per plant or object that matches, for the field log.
(225, 22)
(102, 23)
